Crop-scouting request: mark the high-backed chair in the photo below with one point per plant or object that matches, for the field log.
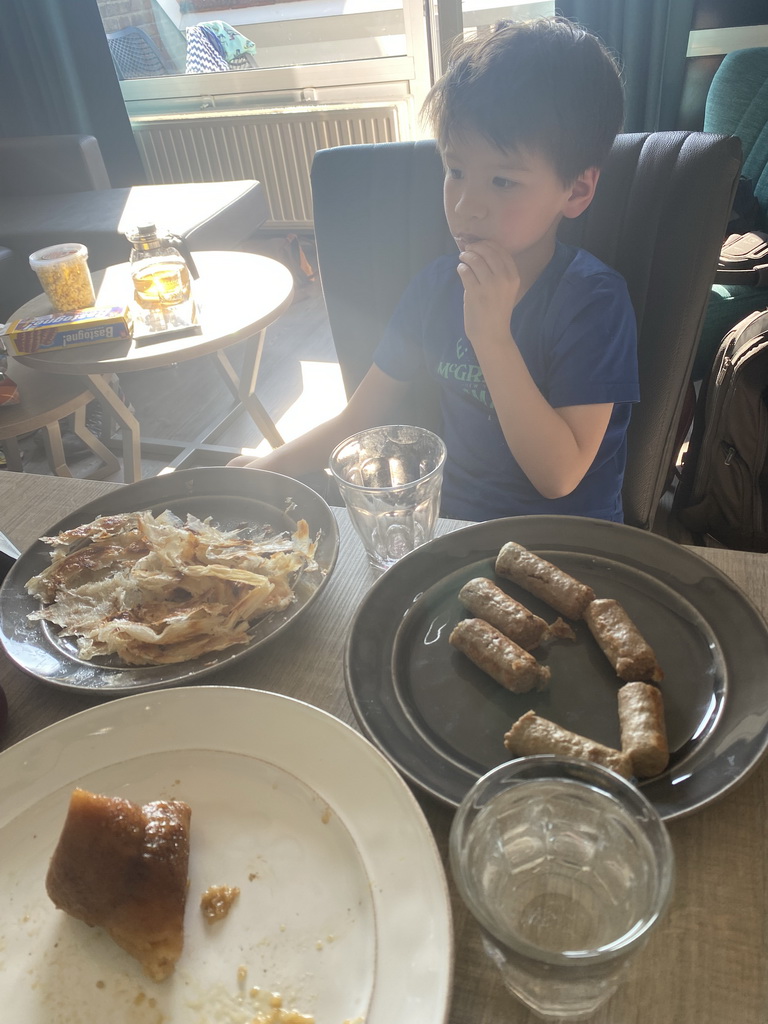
(658, 217)
(737, 104)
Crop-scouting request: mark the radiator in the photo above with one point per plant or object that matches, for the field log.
(274, 146)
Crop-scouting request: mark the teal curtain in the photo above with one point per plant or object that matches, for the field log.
(651, 39)
(57, 78)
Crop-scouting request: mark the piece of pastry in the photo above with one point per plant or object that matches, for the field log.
(643, 729)
(531, 734)
(216, 902)
(501, 658)
(123, 867)
(620, 640)
(486, 601)
(544, 580)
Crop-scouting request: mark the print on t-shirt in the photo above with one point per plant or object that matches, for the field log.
(467, 374)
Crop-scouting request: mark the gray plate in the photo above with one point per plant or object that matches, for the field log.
(441, 720)
(231, 498)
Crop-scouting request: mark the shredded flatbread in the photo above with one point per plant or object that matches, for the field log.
(155, 591)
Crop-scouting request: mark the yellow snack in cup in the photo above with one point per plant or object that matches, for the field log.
(63, 272)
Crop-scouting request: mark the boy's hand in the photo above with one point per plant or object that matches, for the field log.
(491, 284)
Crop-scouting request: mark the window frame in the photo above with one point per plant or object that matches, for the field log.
(399, 77)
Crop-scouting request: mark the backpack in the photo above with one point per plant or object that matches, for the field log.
(744, 260)
(722, 493)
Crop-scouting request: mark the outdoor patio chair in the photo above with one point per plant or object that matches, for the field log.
(135, 55)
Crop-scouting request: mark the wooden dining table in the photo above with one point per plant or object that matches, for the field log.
(706, 963)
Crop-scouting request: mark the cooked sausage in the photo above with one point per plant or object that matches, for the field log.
(629, 653)
(544, 580)
(531, 734)
(500, 657)
(643, 729)
(488, 602)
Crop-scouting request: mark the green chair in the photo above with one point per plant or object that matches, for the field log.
(737, 104)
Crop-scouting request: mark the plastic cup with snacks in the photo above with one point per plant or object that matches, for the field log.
(64, 275)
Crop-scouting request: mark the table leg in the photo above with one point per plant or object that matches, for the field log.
(13, 454)
(54, 450)
(129, 426)
(111, 464)
(243, 386)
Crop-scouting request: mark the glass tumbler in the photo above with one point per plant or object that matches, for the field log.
(390, 479)
(566, 867)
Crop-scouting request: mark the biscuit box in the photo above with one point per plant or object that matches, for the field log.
(67, 330)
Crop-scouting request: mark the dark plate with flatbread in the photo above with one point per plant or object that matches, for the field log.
(232, 499)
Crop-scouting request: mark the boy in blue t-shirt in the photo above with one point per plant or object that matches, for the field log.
(533, 342)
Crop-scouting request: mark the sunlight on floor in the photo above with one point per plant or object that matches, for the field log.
(322, 396)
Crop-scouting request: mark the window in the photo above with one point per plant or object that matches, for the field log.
(169, 36)
(479, 15)
(218, 90)
(177, 55)
(186, 54)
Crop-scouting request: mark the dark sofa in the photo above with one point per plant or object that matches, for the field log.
(55, 188)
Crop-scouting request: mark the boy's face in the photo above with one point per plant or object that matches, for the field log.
(514, 199)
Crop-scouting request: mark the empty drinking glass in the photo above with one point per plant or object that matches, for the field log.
(390, 479)
(567, 868)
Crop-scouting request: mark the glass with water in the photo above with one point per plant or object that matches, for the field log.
(566, 867)
(390, 479)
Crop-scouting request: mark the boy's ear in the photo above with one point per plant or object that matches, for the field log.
(582, 192)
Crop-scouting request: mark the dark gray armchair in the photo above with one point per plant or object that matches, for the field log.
(31, 167)
(658, 217)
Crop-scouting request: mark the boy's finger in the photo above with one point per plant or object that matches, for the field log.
(468, 277)
(497, 258)
(477, 263)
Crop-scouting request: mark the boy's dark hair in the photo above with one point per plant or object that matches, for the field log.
(546, 85)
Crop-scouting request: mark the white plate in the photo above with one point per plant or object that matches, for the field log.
(343, 905)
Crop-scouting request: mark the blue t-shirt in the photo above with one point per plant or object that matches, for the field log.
(576, 330)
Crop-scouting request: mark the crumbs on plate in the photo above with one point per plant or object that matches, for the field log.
(217, 900)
